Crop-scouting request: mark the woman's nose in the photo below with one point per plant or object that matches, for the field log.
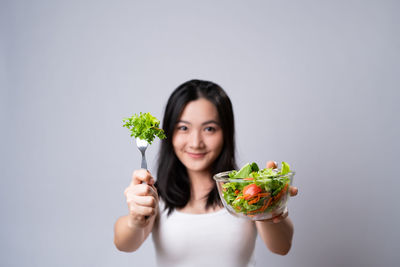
(196, 139)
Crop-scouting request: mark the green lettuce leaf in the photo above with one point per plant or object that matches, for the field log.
(144, 126)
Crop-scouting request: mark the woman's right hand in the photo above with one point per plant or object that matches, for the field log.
(142, 198)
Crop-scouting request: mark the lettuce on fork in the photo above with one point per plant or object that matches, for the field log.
(144, 126)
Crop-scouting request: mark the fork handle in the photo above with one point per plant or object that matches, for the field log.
(143, 165)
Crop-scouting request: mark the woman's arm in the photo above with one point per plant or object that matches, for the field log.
(277, 236)
(129, 237)
(277, 233)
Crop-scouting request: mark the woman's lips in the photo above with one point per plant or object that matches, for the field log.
(196, 155)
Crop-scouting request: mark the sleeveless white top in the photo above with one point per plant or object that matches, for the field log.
(211, 239)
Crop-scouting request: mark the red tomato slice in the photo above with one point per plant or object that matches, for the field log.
(250, 191)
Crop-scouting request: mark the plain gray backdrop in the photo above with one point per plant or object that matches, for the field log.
(313, 83)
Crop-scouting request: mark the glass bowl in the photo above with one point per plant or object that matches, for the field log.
(258, 198)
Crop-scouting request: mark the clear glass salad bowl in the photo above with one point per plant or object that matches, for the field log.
(259, 198)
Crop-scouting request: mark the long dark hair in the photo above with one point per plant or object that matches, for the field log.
(173, 183)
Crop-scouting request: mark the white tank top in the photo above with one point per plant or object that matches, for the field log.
(199, 240)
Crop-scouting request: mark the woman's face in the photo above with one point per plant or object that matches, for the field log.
(197, 138)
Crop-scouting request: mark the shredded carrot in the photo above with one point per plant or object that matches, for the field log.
(278, 196)
(255, 200)
(285, 188)
(248, 179)
(255, 211)
(247, 196)
(258, 197)
(269, 202)
(264, 207)
(244, 196)
(252, 201)
(266, 202)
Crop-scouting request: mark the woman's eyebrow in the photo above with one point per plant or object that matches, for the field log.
(211, 121)
(182, 121)
(204, 123)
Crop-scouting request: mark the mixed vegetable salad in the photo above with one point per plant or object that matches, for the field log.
(251, 191)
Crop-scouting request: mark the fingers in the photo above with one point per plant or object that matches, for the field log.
(145, 201)
(142, 176)
(136, 209)
(141, 197)
(142, 201)
(293, 191)
(272, 164)
(141, 190)
(278, 218)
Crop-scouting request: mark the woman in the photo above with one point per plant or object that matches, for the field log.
(182, 209)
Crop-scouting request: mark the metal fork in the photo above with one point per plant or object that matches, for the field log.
(142, 145)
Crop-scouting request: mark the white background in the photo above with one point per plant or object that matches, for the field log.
(313, 83)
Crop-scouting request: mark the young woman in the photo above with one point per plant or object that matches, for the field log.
(182, 209)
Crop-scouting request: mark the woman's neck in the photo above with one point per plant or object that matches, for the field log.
(200, 185)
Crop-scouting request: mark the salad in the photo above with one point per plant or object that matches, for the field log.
(250, 190)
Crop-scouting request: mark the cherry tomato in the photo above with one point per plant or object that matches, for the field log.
(250, 191)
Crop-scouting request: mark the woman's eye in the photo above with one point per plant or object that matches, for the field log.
(182, 128)
(210, 129)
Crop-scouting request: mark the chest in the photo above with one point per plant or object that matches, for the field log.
(219, 235)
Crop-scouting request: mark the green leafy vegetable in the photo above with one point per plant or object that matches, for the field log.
(144, 126)
(245, 171)
(285, 168)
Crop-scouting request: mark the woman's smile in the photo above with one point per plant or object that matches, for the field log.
(196, 155)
